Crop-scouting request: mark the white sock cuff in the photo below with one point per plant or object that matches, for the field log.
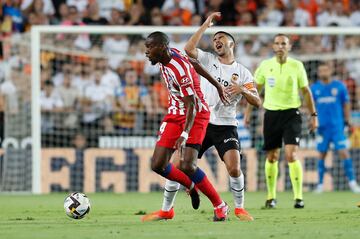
(171, 185)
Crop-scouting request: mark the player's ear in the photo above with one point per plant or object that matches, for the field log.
(290, 47)
(232, 45)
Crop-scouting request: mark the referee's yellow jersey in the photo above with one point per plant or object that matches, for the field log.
(282, 83)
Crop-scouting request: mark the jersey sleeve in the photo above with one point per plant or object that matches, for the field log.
(259, 74)
(204, 57)
(186, 85)
(344, 95)
(302, 76)
(248, 79)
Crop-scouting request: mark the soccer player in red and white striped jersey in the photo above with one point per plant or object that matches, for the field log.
(184, 126)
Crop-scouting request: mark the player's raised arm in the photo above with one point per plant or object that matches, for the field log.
(190, 47)
(204, 73)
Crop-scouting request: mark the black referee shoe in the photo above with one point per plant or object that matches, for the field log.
(299, 203)
(270, 203)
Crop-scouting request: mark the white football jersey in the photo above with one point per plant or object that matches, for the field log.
(222, 114)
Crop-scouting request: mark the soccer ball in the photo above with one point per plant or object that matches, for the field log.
(77, 205)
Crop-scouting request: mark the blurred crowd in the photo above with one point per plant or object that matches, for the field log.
(20, 15)
(104, 85)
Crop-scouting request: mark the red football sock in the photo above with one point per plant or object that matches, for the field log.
(208, 189)
(179, 176)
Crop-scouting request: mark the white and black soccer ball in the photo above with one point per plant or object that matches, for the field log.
(77, 205)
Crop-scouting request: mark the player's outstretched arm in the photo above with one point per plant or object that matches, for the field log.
(190, 47)
(204, 73)
(314, 123)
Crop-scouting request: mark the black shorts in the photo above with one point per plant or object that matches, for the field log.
(281, 125)
(223, 137)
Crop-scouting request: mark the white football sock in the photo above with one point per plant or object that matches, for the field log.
(170, 190)
(237, 188)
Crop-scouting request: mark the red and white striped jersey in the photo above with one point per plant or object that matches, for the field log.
(182, 80)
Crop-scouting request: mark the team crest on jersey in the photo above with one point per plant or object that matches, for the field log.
(234, 77)
(334, 91)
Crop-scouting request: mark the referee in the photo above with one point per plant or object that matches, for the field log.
(282, 77)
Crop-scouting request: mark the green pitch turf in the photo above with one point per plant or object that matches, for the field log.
(329, 215)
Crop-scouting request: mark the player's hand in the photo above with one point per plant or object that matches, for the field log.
(314, 124)
(234, 88)
(209, 20)
(224, 97)
(180, 146)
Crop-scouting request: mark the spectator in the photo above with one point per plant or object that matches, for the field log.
(246, 19)
(311, 6)
(156, 18)
(332, 14)
(350, 83)
(159, 95)
(117, 16)
(355, 14)
(47, 6)
(115, 47)
(80, 5)
(70, 96)
(176, 9)
(106, 7)
(50, 103)
(84, 79)
(130, 100)
(270, 15)
(36, 14)
(302, 18)
(96, 103)
(110, 79)
(13, 15)
(62, 14)
(94, 17)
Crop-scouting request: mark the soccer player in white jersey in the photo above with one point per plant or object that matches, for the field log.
(222, 128)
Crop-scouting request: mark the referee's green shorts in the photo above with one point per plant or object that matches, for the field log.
(281, 126)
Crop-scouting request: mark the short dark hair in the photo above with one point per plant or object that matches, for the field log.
(160, 38)
(283, 35)
(227, 34)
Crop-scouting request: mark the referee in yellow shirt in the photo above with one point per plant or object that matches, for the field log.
(282, 77)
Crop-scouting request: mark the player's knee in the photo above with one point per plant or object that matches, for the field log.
(156, 167)
(271, 159)
(188, 168)
(290, 157)
(234, 172)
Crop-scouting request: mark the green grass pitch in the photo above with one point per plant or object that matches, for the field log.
(329, 215)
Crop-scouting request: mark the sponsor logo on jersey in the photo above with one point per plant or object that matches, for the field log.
(216, 67)
(185, 81)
